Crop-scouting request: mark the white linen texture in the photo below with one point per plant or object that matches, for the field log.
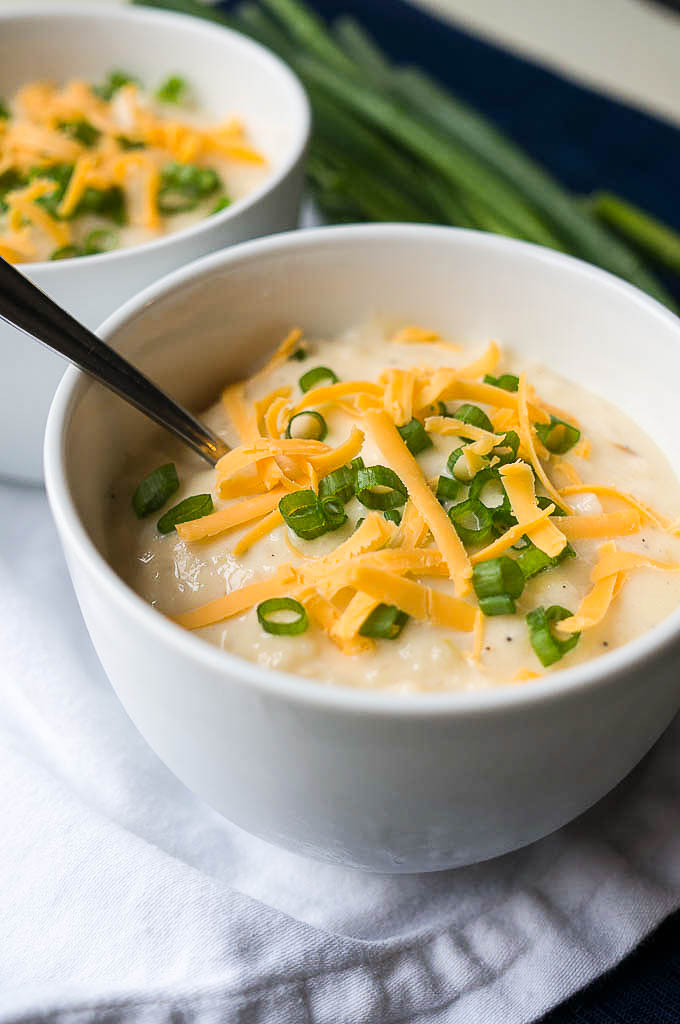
(125, 898)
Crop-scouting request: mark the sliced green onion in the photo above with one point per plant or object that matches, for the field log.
(557, 436)
(184, 185)
(448, 489)
(339, 485)
(334, 513)
(99, 241)
(172, 90)
(503, 519)
(487, 484)
(4, 111)
(358, 523)
(310, 425)
(393, 515)
(155, 489)
(357, 464)
(299, 354)
(532, 560)
(506, 451)
(415, 437)
(384, 623)
(195, 507)
(379, 487)
(498, 604)
(115, 81)
(543, 501)
(126, 143)
(105, 202)
(304, 514)
(548, 647)
(269, 612)
(473, 415)
(66, 252)
(313, 378)
(471, 511)
(507, 381)
(459, 468)
(82, 131)
(499, 578)
(222, 204)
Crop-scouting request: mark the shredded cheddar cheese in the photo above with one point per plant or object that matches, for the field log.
(407, 568)
(107, 161)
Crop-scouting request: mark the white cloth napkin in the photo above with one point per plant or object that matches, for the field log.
(125, 898)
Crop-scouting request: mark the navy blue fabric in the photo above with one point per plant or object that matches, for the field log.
(588, 142)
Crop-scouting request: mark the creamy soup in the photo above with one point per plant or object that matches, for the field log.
(433, 522)
(87, 168)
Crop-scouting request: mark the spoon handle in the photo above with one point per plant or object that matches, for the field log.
(23, 305)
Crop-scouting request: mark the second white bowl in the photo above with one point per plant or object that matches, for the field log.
(229, 74)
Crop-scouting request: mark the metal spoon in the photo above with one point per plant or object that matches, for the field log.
(26, 307)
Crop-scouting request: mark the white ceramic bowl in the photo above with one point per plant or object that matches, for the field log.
(229, 74)
(383, 781)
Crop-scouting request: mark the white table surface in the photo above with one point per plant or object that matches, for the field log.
(628, 48)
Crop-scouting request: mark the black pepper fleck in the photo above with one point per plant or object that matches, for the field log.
(605, 643)
(487, 648)
(509, 639)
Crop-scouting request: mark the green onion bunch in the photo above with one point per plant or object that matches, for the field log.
(391, 144)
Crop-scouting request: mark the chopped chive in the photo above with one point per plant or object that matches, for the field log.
(498, 604)
(379, 487)
(448, 489)
(222, 204)
(299, 355)
(384, 623)
(506, 381)
(497, 583)
(532, 560)
(362, 519)
(82, 131)
(126, 143)
(155, 489)
(472, 520)
(99, 241)
(339, 485)
(172, 90)
(486, 486)
(195, 507)
(269, 612)
(547, 646)
(459, 469)
(415, 437)
(313, 378)
(305, 515)
(393, 515)
(4, 111)
(558, 436)
(507, 450)
(115, 81)
(543, 501)
(183, 186)
(473, 415)
(66, 252)
(310, 425)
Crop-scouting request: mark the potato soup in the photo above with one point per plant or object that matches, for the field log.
(399, 513)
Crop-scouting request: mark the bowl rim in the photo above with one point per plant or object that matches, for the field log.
(181, 22)
(308, 691)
